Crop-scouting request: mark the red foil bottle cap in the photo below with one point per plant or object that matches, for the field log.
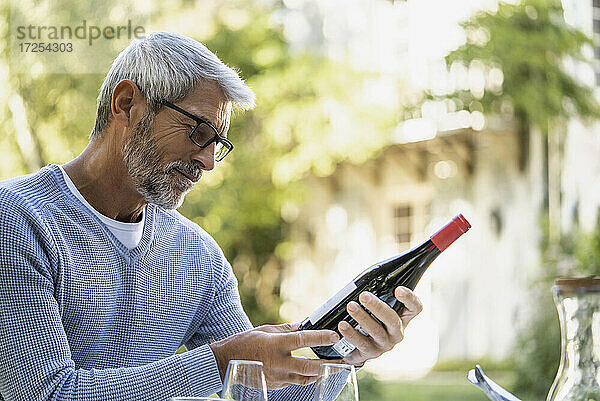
(450, 233)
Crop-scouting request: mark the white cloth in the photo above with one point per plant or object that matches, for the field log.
(129, 234)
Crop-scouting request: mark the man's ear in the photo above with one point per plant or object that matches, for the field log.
(127, 103)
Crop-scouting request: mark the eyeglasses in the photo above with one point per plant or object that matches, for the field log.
(204, 133)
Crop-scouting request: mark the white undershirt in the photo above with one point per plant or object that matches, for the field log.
(129, 234)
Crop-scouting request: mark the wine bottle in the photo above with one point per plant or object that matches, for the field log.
(381, 279)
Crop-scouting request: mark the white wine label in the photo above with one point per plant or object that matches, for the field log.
(333, 301)
(344, 347)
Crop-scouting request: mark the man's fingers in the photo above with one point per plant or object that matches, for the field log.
(286, 327)
(306, 367)
(301, 380)
(363, 343)
(300, 371)
(368, 324)
(412, 304)
(309, 338)
(392, 329)
(279, 328)
(305, 371)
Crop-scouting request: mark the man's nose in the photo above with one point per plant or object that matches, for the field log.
(206, 157)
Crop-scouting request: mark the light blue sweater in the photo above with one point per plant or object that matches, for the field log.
(84, 318)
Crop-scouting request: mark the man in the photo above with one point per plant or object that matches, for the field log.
(102, 280)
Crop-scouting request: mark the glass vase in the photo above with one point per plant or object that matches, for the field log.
(578, 304)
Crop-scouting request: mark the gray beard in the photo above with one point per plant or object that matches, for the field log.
(157, 183)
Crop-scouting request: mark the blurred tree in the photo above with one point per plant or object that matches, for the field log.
(530, 44)
(310, 116)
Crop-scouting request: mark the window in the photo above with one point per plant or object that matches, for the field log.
(403, 225)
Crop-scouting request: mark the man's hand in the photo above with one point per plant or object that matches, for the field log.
(272, 345)
(382, 337)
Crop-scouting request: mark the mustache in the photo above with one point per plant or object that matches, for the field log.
(189, 169)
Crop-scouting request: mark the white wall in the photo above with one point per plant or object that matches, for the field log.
(581, 158)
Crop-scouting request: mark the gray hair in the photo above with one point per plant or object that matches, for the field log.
(167, 66)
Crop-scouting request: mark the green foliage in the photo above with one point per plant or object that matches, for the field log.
(450, 388)
(530, 43)
(461, 365)
(587, 252)
(59, 110)
(538, 348)
(369, 387)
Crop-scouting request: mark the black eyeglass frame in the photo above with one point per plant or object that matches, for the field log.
(199, 121)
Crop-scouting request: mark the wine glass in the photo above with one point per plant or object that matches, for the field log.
(336, 382)
(245, 381)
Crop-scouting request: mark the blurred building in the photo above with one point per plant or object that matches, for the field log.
(581, 160)
(445, 163)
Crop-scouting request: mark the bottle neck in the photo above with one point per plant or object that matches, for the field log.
(450, 232)
(410, 270)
